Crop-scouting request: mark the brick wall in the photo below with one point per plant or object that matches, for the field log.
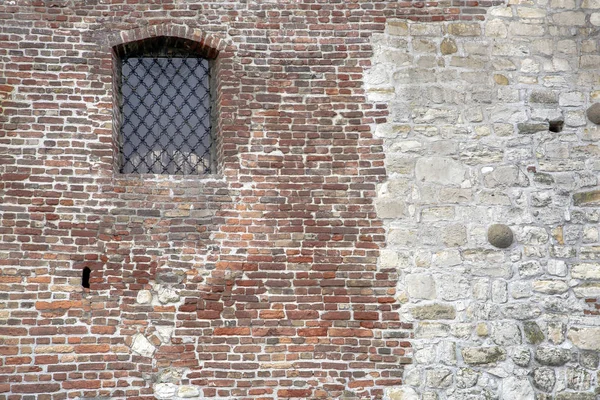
(261, 281)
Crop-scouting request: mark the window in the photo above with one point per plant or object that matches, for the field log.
(165, 109)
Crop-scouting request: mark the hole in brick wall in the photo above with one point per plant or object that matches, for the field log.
(556, 126)
(85, 277)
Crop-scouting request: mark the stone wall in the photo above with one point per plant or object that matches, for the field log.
(488, 126)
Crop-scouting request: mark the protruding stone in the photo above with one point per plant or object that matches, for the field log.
(529, 128)
(593, 113)
(500, 235)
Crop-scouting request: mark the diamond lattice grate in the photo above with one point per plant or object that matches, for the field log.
(166, 116)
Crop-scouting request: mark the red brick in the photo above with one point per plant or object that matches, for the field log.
(9, 350)
(208, 314)
(103, 330)
(363, 315)
(53, 305)
(312, 332)
(36, 388)
(46, 359)
(10, 331)
(350, 332)
(272, 314)
(300, 393)
(18, 360)
(303, 314)
(92, 348)
(231, 331)
(83, 384)
(337, 315)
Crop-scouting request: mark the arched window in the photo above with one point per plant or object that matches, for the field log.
(165, 107)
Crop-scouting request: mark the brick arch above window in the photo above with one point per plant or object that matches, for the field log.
(206, 44)
(141, 45)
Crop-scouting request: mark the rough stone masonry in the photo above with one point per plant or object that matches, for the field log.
(405, 205)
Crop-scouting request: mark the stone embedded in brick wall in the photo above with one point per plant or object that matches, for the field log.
(141, 345)
(144, 297)
(167, 294)
(165, 390)
(187, 391)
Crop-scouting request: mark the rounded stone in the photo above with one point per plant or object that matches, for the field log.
(500, 235)
(593, 113)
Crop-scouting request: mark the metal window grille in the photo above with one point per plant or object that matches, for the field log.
(165, 108)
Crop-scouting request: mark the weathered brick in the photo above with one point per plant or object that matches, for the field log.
(35, 388)
(92, 348)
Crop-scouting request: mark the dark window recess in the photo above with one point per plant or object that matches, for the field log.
(165, 106)
(85, 277)
(556, 126)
